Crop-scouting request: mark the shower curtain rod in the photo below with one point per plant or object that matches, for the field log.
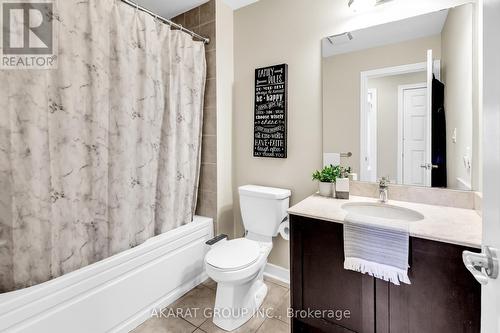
(167, 21)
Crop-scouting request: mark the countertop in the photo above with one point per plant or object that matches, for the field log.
(444, 224)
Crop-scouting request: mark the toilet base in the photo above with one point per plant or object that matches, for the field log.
(235, 304)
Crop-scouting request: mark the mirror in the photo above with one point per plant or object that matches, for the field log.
(402, 99)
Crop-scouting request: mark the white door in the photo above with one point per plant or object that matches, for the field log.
(415, 136)
(371, 149)
(490, 299)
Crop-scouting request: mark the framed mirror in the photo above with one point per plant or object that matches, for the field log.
(402, 100)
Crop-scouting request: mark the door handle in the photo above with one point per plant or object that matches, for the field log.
(429, 166)
(483, 266)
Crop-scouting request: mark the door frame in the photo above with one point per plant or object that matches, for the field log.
(401, 89)
(372, 74)
(374, 136)
(490, 299)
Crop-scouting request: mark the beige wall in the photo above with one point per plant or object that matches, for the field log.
(268, 33)
(457, 74)
(341, 89)
(387, 119)
(283, 31)
(225, 79)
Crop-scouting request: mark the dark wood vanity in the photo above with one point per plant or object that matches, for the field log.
(443, 296)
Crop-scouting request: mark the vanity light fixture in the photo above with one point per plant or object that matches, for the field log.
(364, 5)
(340, 38)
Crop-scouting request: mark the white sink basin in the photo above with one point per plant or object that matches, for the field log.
(385, 211)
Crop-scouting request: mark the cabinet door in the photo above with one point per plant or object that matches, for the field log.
(319, 281)
(443, 296)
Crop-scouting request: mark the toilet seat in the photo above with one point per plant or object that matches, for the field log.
(234, 254)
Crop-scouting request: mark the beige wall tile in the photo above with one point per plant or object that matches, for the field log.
(211, 93)
(208, 30)
(209, 149)
(202, 21)
(180, 19)
(192, 18)
(207, 204)
(208, 177)
(211, 64)
(207, 12)
(210, 121)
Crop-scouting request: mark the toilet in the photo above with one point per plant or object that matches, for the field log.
(238, 265)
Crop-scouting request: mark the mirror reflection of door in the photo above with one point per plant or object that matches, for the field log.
(415, 135)
(382, 116)
(371, 151)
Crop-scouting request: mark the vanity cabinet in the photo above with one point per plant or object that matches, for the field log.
(443, 296)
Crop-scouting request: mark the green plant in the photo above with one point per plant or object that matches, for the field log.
(328, 174)
(344, 172)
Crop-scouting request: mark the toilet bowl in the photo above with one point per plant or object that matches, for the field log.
(238, 265)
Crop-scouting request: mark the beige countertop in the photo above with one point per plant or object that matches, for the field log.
(444, 224)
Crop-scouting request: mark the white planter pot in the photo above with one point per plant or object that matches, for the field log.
(325, 189)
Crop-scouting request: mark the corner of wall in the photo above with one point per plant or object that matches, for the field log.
(225, 79)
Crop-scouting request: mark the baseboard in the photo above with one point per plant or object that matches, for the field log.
(279, 274)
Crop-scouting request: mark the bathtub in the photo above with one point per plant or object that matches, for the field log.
(116, 294)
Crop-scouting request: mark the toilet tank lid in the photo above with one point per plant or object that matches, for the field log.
(264, 192)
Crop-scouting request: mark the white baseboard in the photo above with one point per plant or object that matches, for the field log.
(277, 273)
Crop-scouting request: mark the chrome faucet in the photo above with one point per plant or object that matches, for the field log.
(382, 189)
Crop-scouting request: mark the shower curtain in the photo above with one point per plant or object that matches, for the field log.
(103, 152)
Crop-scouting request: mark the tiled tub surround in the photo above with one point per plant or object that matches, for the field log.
(202, 21)
(444, 224)
(203, 298)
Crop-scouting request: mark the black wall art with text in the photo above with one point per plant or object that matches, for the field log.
(270, 117)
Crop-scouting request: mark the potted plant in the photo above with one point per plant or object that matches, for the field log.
(342, 184)
(326, 178)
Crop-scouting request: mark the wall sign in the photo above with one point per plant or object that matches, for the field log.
(270, 117)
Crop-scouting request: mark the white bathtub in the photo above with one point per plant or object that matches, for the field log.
(116, 294)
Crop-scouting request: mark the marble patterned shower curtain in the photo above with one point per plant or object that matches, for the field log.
(102, 153)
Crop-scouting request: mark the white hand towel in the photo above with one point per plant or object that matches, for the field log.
(378, 247)
(331, 159)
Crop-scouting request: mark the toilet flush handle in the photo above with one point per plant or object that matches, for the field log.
(216, 239)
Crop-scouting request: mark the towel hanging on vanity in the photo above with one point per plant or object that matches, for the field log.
(377, 247)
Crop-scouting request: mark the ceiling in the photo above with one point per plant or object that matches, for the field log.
(172, 8)
(389, 33)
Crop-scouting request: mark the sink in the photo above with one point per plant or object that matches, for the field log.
(384, 211)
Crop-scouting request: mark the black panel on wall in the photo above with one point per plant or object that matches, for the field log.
(270, 117)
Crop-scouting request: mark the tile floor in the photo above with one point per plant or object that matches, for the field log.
(203, 297)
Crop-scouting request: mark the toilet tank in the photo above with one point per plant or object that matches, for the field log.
(263, 208)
